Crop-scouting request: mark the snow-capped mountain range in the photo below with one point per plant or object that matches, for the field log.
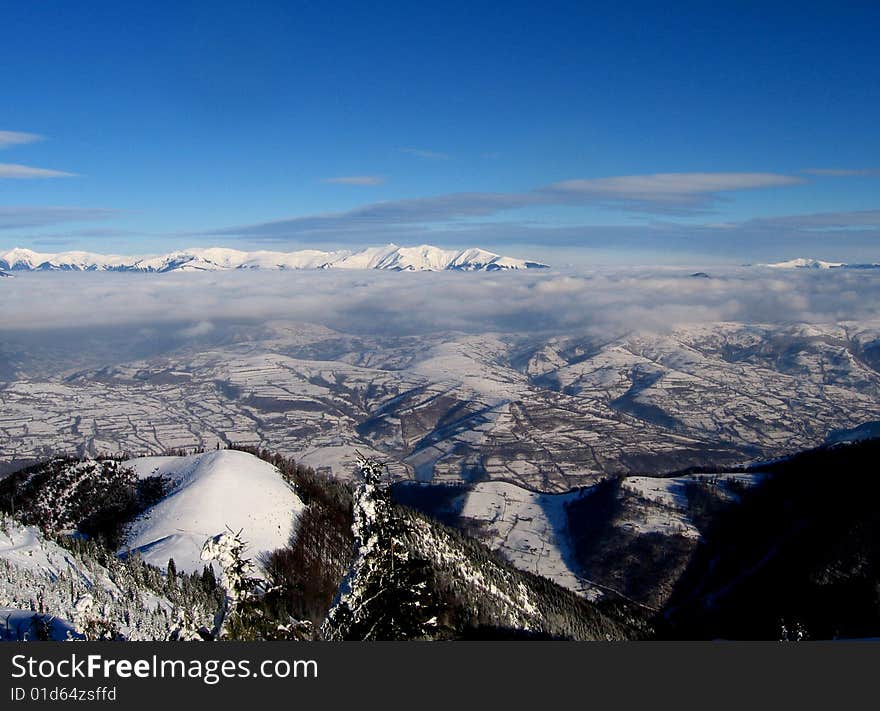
(390, 257)
(806, 263)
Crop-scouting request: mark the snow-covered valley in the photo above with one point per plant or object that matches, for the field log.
(547, 412)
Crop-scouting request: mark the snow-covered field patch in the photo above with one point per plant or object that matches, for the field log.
(528, 529)
(666, 511)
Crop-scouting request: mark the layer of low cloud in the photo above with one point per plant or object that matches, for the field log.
(396, 304)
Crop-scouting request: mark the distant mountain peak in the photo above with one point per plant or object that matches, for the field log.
(804, 263)
(390, 257)
(807, 263)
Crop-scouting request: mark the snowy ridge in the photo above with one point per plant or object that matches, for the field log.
(807, 263)
(390, 257)
(211, 492)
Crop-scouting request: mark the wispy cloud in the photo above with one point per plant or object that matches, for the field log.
(429, 155)
(381, 217)
(641, 192)
(659, 194)
(841, 172)
(17, 138)
(52, 241)
(366, 180)
(17, 217)
(820, 221)
(25, 172)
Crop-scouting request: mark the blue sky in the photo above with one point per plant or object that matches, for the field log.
(563, 131)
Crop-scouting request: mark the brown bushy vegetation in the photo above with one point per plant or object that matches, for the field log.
(309, 571)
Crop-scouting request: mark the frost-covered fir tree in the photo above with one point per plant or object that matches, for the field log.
(245, 612)
(239, 586)
(386, 595)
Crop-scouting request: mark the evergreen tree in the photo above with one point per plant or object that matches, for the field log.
(389, 595)
(246, 611)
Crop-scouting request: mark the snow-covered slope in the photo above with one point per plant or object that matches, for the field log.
(211, 492)
(446, 584)
(390, 257)
(30, 560)
(528, 528)
(25, 548)
(42, 582)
